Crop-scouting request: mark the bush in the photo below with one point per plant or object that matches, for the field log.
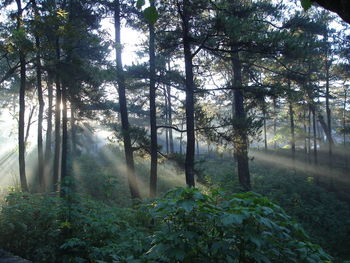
(186, 226)
(51, 229)
(198, 227)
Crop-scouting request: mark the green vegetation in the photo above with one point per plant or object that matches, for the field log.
(187, 225)
(223, 136)
(323, 214)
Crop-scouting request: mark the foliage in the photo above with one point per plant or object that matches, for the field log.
(50, 229)
(187, 225)
(199, 227)
(323, 214)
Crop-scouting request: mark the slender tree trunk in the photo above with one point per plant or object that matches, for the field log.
(344, 117)
(344, 131)
(41, 106)
(265, 128)
(170, 119)
(57, 154)
(325, 128)
(129, 158)
(328, 110)
(241, 142)
(21, 122)
(48, 151)
(292, 131)
(197, 145)
(305, 134)
(29, 124)
(189, 105)
(64, 149)
(153, 110)
(275, 122)
(314, 135)
(73, 130)
(181, 137)
(309, 136)
(166, 122)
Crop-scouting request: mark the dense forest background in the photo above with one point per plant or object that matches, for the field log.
(108, 105)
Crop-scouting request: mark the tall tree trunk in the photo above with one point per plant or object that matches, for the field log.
(314, 135)
(181, 137)
(21, 122)
(29, 124)
(129, 158)
(197, 145)
(41, 105)
(275, 122)
(64, 149)
(57, 154)
(344, 116)
(73, 130)
(327, 95)
(166, 122)
(153, 110)
(170, 119)
(48, 151)
(241, 142)
(292, 130)
(309, 136)
(189, 105)
(265, 128)
(305, 132)
(325, 128)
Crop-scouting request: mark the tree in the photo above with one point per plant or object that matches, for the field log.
(153, 109)
(130, 167)
(20, 31)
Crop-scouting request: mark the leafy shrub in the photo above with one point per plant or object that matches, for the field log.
(30, 226)
(51, 229)
(321, 213)
(198, 227)
(186, 226)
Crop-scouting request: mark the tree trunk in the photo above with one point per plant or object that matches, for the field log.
(41, 107)
(48, 151)
(153, 110)
(328, 110)
(344, 117)
(241, 142)
(275, 122)
(166, 122)
(21, 122)
(73, 130)
(305, 132)
(314, 135)
(309, 136)
(181, 138)
(325, 128)
(129, 158)
(197, 145)
(189, 104)
(170, 119)
(29, 124)
(265, 128)
(57, 154)
(64, 149)
(292, 131)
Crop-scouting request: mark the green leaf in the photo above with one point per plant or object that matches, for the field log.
(306, 4)
(186, 204)
(151, 14)
(140, 3)
(232, 219)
